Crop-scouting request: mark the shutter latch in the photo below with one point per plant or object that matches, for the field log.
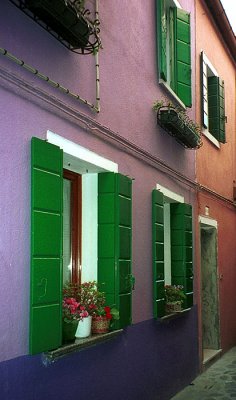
(132, 281)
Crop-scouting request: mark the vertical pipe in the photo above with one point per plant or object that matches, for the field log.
(97, 66)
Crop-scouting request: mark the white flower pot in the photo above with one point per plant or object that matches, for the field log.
(84, 328)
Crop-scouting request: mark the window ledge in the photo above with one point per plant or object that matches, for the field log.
(172, 93)
(211, 138)
(176, 314)
(78, 345)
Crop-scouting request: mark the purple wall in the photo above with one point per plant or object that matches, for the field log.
(147, 356)
(138, 365)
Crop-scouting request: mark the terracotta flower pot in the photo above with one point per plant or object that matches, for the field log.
(100, 324)
(173, 307)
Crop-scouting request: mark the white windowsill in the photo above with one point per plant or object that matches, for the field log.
(211, 138)
(172, 93)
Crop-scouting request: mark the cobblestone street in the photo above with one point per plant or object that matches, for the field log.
(218, 382)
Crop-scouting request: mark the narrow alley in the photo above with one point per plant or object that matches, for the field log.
(218, 382)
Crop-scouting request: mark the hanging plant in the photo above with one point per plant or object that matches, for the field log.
(177, 123)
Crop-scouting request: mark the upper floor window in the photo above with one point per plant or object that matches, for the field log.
(174, 49)
(213, 103)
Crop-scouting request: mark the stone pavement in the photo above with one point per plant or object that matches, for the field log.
(218, 382)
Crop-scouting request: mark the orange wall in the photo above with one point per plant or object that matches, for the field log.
(219, 162)
(216, 169)
(226, 222)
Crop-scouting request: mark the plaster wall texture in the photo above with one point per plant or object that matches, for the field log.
(128, 89)
(136, 365)
(226, 231)
(216, 167)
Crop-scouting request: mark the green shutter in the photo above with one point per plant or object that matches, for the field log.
(161, 38)
(46, 247)
(182, 56)
(158, 253)
(216, 105)
(181, 249)
(114, 242)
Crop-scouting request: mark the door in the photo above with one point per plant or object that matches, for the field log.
(209, 292)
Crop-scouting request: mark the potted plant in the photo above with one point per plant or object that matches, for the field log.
(103, 318)
(89, 297)
(177, 123)
(84, 307)
(174, 297)
(74, 311)
(69, 318)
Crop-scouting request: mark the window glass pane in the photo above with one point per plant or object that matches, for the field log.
(67, 256)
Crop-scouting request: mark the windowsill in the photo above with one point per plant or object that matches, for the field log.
(175, 315)
(172, 93)
(80, 344)
(211, 138)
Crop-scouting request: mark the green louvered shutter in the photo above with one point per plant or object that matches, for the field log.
(216, 108)
(114, 242)
(161, 38)
(46, 247)
(158, 253)
(182, 56)
(181, 249)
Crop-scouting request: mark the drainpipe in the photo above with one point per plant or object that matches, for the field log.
(98, 107)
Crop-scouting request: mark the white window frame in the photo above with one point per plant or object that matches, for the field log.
(87, 163)
(211, 71)
(169, 197)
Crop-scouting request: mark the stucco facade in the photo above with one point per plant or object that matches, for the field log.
(215, 172)
(151, 357)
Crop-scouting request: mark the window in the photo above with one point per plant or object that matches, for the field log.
(113, 226)
(180, 269)
(213, 104)
(174, 49)
(72, 226)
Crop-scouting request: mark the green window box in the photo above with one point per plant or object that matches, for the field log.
(183, 130)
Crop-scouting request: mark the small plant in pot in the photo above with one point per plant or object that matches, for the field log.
(103, 319)
(175, 297)
(84, 304)
(77, 307)
(70, 318)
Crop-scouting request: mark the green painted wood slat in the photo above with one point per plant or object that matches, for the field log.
(46, 246)
(216, 107)
(181, 249)
(158, 253)
(114, 242)
(182, 57)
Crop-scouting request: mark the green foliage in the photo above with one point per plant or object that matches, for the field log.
(174, 293)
